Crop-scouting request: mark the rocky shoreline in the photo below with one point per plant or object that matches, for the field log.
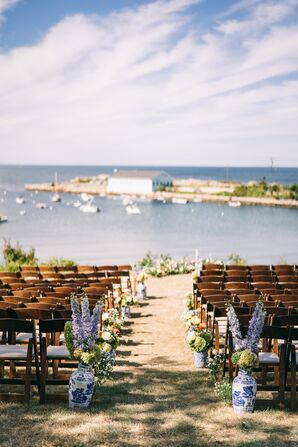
(192, 190)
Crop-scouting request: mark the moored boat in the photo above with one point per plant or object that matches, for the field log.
(3, 219)
(179, 201)
(89, 208)
(132, 209)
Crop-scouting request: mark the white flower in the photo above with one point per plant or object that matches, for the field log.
(105, 316)
(106, 347)
(106, 335)
(191, 336)
(195, 320)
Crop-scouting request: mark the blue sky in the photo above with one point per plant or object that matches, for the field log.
(186, 82)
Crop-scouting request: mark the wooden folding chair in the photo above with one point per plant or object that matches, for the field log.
(52, 353)
(12, 352)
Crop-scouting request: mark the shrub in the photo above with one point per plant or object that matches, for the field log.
(15, 257)
(236, 259)
(59, 262)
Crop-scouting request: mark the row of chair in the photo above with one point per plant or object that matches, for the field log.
(32, 323)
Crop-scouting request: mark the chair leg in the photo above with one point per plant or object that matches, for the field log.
(28, 373)
(43, 372)
(264, 374)
(2, 363)
(282, 376)
(293, 379)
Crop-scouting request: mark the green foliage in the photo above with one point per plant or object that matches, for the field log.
(263, 189)
(59, 262)
(235, 259)
(164, 265)
(215, 366)
(68, 334)
(222, 386)
(15, 257)
(147, 261)
(224, 390)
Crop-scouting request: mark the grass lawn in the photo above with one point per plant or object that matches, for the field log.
(152, 408)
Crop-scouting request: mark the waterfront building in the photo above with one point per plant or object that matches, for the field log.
(138, 181)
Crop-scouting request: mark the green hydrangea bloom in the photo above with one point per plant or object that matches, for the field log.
(199, 344)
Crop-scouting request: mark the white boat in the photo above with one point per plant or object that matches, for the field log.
(3, 219)
(127, 201)
(85, 197)
(89, 208)
(41, 206)
(56, 198)
(20, 200)
(234, 204)
(77, 204)
(179, 201)
(22, 212)
(132, 209)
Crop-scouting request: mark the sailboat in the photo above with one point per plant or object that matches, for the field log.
(55, 197)
(132, 209)
(89, 208)
(3, 219)
(20, 200)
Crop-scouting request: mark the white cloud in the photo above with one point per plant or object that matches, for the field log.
(5, 5)
(143, 86)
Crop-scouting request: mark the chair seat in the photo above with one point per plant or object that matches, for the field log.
(268, 358)
(57, 352)
(13, 352)
(23, 337)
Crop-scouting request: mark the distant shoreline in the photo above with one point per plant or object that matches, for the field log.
(191, 190)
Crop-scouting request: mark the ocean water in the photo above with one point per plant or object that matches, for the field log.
(259, 234)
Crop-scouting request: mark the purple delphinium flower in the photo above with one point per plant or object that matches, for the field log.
(251, 341)
(77, 326)
(86, 322)
(255, 327)
(84, 325)
(238, 341)
(94, 322)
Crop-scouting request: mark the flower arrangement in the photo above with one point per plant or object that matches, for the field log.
(246, 355)
(111, 320)
(189, 301)
(82, 339)
(199, 339)
(164, 265)
(222, 386)
(190, 318)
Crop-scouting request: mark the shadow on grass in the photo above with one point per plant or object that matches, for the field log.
(151, 408)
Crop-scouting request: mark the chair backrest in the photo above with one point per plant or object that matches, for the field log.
(18, 325)
(62, 313)
(51, 326)
(287, 320)
(31, 314)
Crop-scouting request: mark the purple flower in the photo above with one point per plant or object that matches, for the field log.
(84, 325)
(255, 327)
(251, 341)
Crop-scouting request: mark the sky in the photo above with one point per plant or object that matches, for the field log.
(167, 82)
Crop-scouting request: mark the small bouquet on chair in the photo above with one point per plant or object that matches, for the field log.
(85, 345)
(200, 340)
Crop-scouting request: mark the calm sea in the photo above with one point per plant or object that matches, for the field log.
(259, 234)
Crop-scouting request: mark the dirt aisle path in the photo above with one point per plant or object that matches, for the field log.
(158, 334)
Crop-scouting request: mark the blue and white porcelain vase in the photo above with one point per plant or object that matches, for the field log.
(244, 392)
(81, 386)
(126, 314)
(200, 359)
(141, 291)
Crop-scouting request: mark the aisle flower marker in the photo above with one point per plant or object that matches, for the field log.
(91, 350)
(200, 340)
(246, 357)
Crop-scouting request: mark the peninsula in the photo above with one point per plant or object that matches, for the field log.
(191, 190)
